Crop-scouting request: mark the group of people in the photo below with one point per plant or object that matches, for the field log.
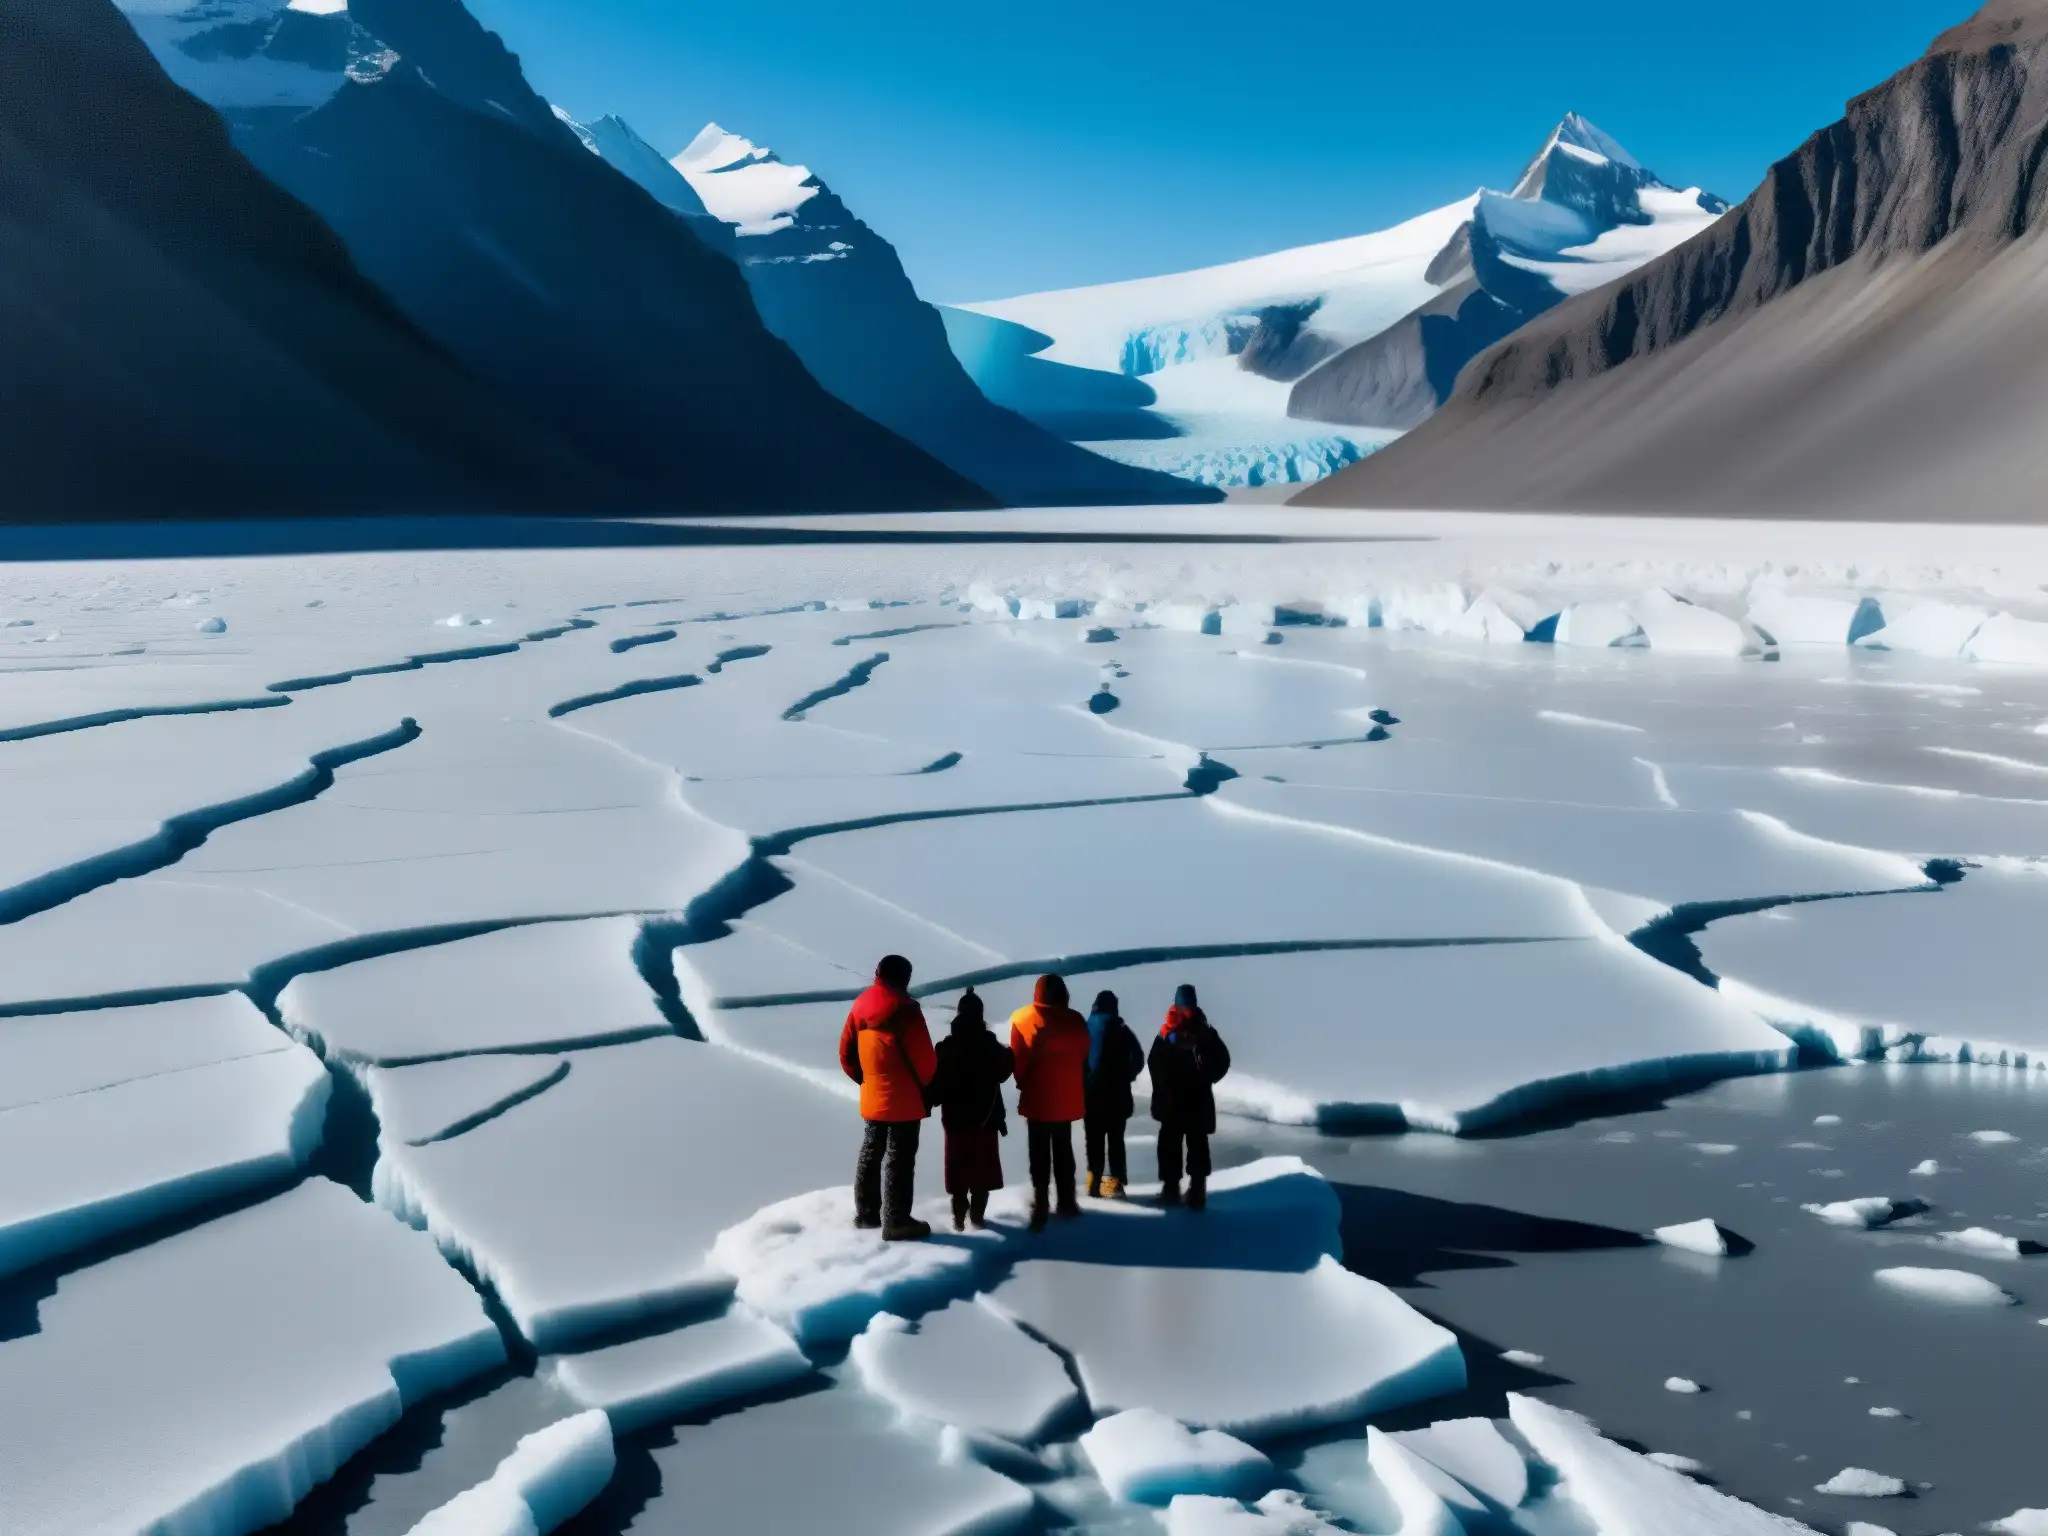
(1066, 1067)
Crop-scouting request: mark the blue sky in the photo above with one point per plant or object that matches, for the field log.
(1007, 148)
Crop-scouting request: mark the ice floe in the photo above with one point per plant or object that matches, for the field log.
(1866, 1211)
(686, 1370)
(1705, 1236)
(1862, 1483)
(214, 1405)
(438, 1099)
(1145, 1457)
(551, 1474)
(1954, 1287)
(966, 1367)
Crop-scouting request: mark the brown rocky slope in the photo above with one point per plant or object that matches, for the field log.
(1866, 336)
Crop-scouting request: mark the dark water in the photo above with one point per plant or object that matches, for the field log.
(1528, 1243)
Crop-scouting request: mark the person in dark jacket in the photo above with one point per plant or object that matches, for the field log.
(886, 1048)
(1187, 1061)
(973, 1066)
(1114, 1061)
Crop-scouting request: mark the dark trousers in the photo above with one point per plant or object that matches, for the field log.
(1172, 1139)
(1052, 1155)
(1106, 1148)
(885, 1178)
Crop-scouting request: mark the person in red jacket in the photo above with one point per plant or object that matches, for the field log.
(1050, 1044)
(886, 1048)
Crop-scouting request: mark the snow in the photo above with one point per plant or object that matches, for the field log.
(533, 986)
(1145, 1457)
(227, 1369)
(1861, 1483)
(1674, 1462)
(964, 1366)
(1671, 623)
(117, 1118)
(1703, 1236)
(570, 1204)
(1622, 1491)
(743, 184)
(551, 1475)
(1954, 1287)
(244, 75)
(685, 1371)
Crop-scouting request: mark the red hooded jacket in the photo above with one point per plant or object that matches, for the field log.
(886, 1048)
(1050, 1043)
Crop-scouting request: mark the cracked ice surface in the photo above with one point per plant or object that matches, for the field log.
(171, 1355)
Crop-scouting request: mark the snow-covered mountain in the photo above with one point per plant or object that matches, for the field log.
(834, 290)
(1290, 365)
(559, 282)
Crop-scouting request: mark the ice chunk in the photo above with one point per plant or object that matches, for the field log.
(1958, 1287)
(1622, 1491)
(1790, 620)
(438, 1099)
(1867, 1211)
(1928, 628)
(1861, 1483)
(86, 1165)
(1672, 623)
(2022, 1522)
(1145, 1457)
(826, 1461)
(1682, 1385)
(551, 1475)
(228, 1369)
(1521, 1357)
(1703, 1236)
(802, 1262)
(1477, 1454)
(1887, 1413)
(599, 1200)
(1430, 1502)
(1989, 1244)
(1926, 1168)
(2019, 642)
(1598, 625)
(537, 985)
(1993, 1138)
(1827, 1119)
(684, 1371)
(966, 1367)
(1677, 1463)
(213, 626)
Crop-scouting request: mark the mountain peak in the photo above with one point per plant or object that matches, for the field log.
(1580, 139)
(743, 184)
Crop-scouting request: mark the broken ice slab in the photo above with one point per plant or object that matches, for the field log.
(551, 1474)
(228, 1369)
(531, 987)
(122, 1117)
(1647, 851)
(860, 1475)
(1619, 1490)
(1146, 1457)
(1282, 1512)
(967, 1367)
(434, 1100)
(684, 1371)
(1179, 875)
(1867, 976)
(1477, 1455)
(597, 1202)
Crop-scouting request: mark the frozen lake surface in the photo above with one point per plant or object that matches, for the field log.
(484, 920)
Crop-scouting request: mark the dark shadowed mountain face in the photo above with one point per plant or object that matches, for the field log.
(836, 292)
(1866, 336)
(559, 282)
(180, 338)
(1582, 211)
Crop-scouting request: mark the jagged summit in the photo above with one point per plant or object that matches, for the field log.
(748, 186)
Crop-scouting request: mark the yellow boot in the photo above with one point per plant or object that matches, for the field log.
(1112, 1189)
(1094, 1186)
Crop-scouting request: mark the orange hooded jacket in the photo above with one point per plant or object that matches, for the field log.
(1050, 1042)
(886, 1048)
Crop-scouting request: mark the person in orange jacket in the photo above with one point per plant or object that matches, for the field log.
(1050, 1043)
(886, 1048)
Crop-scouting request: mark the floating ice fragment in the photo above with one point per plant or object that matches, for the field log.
(1521, 1357)
(1827, 1119)
(1565, 717)
(1865, 1528)
(551, 1475)
(685, 1371)
(1867, 1211)
(1715, 1148)
(1676, 1462)
(1993, 1138)
(1280, 1513)
(1144, 1457)
(2022, 1522)
(1702, 1236)
(1476, 1454)
(1958, 1287)
(1928, 629)
(1926, 1168)
(460, 621)
(966, 1367)
(1990, 1244)
(1887, 1413)
(1861, 1483)
(1683, 1385)
(212, 626)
